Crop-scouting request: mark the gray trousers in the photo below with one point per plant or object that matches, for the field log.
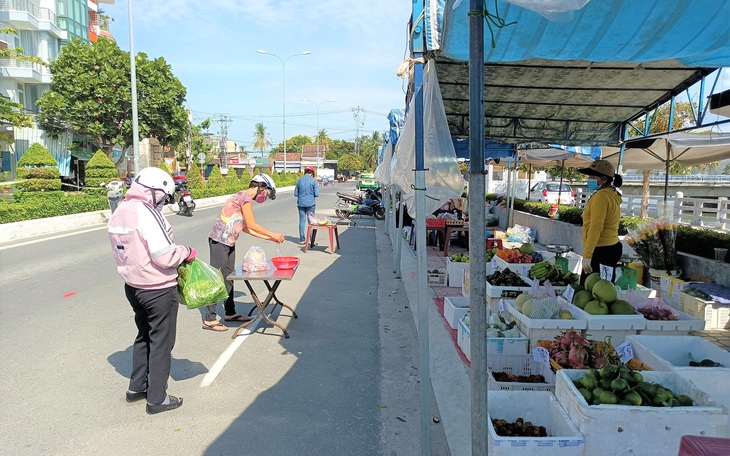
(155, 314)
(223, 258)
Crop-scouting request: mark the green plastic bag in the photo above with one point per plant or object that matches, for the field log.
(200, 284)
(627, 281)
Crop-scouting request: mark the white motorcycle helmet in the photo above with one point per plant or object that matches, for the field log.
(266, 179)
(157, 180)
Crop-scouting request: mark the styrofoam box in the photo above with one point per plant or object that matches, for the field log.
(542, 409)
(575, 261)
(519, 365)
(641, 292)
(542, 329)
(466, 279)
(684, 325)
(455, 272)
(520, 268)
(494, 291)
(455, 307)
(612, 430)
(672, 353)
(606, 322)
(517, 345)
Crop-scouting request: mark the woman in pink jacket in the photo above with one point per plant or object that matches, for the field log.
(147, 259)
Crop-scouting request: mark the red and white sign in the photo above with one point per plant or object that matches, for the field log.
(232, 160)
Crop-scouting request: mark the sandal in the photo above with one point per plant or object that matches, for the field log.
(218, 327)
(237, 317)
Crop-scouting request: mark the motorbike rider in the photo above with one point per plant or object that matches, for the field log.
(147, 259)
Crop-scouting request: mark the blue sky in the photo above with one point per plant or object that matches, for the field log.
(211, 45)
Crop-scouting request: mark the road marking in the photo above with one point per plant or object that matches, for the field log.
(226, 355)
(44, 238)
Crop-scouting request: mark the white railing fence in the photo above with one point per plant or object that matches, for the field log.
(698, 212)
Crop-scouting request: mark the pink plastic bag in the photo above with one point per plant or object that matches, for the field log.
(652, 308)
(545, 291)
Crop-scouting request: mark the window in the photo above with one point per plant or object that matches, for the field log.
(21, 94)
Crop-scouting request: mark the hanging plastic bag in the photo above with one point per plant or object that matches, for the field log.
(255, 260)
(200, 284)
(545, 290)
(627, 281)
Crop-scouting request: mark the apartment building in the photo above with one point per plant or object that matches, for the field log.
(42, 26)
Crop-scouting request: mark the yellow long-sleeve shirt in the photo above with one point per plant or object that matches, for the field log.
(600, 220)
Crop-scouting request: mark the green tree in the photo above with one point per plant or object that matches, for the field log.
(100, 169)
(294, 144)
(349, 162)
(39, 169)
(261, 140)
(215, 178)
(339, 148)
(233, 183)
(245, 178)
(91, 95)
(195, 180)
(11, 112)
(163, 166)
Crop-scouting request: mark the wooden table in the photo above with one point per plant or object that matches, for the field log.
(272, 278)
(447, 235)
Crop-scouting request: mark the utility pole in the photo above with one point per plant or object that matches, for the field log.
(358, 114)
(190, 127)
(225, 121)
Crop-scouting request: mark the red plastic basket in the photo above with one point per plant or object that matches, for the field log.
(285, 262)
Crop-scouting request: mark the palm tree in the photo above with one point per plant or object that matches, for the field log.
(261, 138)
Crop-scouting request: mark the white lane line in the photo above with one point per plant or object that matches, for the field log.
(44, 238)
(226, 355)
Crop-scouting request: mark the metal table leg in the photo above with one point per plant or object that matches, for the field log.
(261, 307)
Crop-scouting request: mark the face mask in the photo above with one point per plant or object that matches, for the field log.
(261, 197)
(592, 184)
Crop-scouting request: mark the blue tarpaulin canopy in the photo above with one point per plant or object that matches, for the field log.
(492, 149)
(575, 81)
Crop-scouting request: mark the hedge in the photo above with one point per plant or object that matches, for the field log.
(29, 206)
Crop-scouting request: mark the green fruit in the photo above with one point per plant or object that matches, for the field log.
(566, 315)
(608, 397)
(648, 389)
(605, 383)
(633, 398)
(638, 378)
(597, 392)
(619, 385)
(527, 248)
(588, 382)
(581, 298)
(604, 290)
(455, 257)
(527, 307)
(608, 371)
(621, 307)
(587, 395)
(591, 280)
(591, 373)
(521, 299)
(684, 400)
(596, 307)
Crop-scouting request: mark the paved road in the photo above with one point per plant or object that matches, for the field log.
(346, 382)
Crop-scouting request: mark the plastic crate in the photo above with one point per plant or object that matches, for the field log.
(612, 430)
(542, 329)
(519, 365)
(512, 345)
(436, 279)
(716, 316)
(542, 409)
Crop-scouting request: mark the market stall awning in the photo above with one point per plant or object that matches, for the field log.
(82, 154)
(552, 157)
(578, 81)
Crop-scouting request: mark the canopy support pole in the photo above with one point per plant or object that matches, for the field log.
(477, 226)
(529, 178)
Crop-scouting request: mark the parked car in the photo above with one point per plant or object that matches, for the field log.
(367, 180)
(547, 192)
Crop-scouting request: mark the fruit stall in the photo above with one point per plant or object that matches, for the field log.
(592, 369)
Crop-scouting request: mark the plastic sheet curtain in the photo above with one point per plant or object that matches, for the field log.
(382, 172)
(443, 178)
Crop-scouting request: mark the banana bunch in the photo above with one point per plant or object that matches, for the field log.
(543, 271)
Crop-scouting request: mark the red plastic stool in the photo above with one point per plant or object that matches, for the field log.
(491, 242)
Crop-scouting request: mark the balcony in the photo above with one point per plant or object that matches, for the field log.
(29, 72)
(24, 15)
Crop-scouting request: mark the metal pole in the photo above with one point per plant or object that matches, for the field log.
(133, 66)
(283, 91)
(318, 105)
(477, 227)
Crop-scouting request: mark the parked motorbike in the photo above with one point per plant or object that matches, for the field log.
(185, 201)
(371, 203)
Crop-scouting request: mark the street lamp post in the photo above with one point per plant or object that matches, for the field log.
(133, 67)
(318, 105)
(283, 91)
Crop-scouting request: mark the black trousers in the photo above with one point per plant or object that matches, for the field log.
(155, 314)
(608, 255)
(223, 258)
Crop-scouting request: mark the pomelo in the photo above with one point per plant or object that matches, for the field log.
(581, 298)
(521, 299)
(596, 307)
(591, 280)
(527, 248)
(604, 290)
(621, 307)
